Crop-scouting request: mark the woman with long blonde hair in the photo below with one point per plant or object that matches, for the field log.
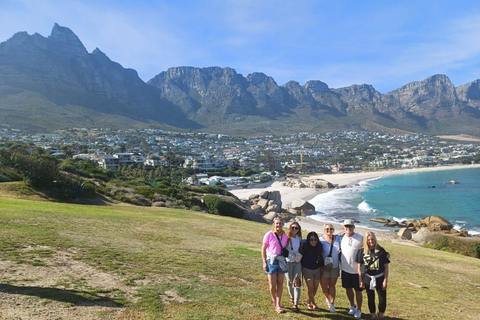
(373, 268)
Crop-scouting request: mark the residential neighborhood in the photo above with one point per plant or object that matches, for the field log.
(212, 153)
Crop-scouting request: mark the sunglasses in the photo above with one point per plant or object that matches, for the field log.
(313, 239)
(331, 229)
(295, 228)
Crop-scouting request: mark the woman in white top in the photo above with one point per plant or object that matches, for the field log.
(294, 275)
(330, 277)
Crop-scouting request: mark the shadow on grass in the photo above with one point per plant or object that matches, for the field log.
(342, 313)
(74, 297)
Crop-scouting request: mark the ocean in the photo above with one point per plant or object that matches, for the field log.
(407, 196)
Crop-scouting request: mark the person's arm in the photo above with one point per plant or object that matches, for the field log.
(264, 257)
(359, 264)
(385, 281)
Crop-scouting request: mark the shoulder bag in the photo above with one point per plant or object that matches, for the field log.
(328, 262)
(284, 250)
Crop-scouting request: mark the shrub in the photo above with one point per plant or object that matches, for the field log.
(464, 246)
(217, 205)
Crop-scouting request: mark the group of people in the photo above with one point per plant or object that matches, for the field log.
(317, 260)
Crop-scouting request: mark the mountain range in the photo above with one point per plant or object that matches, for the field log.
(54, 83)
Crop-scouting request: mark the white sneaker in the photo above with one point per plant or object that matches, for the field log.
(328, 302)
(352, 310)
(358, 314)
(332, 308)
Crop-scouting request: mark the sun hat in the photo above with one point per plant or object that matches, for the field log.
(349, 222)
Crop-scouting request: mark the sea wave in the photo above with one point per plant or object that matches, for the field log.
(365, 207)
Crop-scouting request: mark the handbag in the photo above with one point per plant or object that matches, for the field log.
(328, 261)
(284, 250)
(296, 256)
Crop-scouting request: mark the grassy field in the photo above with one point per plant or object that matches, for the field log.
(156, 263)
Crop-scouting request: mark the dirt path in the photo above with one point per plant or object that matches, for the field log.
(62, 288)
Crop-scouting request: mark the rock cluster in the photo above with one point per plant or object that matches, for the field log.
(310, 183)
(419, 229)
(268, 205)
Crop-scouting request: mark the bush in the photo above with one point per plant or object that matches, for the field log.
(217, 205)
(464, 246)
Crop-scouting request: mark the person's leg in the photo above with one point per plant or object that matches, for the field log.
(371, 301)
(325, 289)
(310, 289)
(382, 301)
(297, 283)
(289, 278)
(280, 278)
(350, 296)
(272, 281)
(359, 297)
(332, 292)
(316, 284)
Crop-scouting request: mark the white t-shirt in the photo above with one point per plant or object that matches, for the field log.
(293, 247)
(350, 247)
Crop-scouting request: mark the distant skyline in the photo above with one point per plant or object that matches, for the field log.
(383, 43)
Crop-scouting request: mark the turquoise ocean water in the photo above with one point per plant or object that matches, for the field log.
(407, 196)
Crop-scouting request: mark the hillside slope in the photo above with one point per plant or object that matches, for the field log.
(70, 261)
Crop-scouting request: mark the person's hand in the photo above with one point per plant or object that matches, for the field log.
(265, 267)
(384, 285)
(361, 284)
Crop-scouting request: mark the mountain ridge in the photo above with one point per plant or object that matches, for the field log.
(59, 71)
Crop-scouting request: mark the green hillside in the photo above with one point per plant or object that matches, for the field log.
(124, 262)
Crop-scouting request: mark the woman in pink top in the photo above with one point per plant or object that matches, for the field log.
(274, 263)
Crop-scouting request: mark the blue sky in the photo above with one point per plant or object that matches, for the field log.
(383, 43)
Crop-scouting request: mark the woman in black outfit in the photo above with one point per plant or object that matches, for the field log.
(373, 270)
(311, 263)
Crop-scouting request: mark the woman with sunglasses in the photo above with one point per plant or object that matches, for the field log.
(311, 263)
(294, 275)
(274, 263)
(330, 243)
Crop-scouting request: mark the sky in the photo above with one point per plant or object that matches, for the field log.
(386, 44)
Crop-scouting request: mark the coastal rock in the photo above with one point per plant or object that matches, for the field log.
(304, 207)
(391, 224)
(453, 182)
(380, 220)
(263, 194)
(405, 233)
(257, 209)
(274, 208)
(436, 223)
(263, 203)
(423, 235)
(270, 216)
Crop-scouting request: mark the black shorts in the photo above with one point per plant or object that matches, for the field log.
(350, 281)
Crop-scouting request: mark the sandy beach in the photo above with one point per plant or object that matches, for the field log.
(289, 194)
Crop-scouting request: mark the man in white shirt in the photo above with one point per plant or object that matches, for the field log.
(351, 243)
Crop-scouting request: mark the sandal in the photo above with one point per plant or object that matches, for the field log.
(291, 300)
(279, 309)
(309, 306)
(295, 308)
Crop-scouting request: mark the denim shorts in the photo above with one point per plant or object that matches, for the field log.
(274, 268)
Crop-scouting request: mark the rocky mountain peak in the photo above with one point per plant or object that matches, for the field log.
(66, 42)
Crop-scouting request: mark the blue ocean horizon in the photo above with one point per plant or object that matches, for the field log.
(407, 196)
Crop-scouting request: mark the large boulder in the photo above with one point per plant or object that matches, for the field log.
(380, 220)
(436, 223)
(304, 208)
(405, 233)
(423, 235)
